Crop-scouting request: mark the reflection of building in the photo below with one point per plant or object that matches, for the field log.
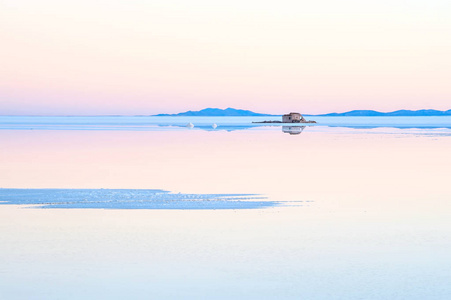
(293, 129)
(293, 118)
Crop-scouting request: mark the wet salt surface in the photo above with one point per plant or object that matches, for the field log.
(379, 226)
(129, 199)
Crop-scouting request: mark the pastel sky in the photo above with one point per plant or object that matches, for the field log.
(146, 57)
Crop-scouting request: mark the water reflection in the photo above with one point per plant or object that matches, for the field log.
(293, 130)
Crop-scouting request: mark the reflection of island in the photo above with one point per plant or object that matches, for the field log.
(293, 129)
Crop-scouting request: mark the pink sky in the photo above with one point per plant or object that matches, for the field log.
(146, 57)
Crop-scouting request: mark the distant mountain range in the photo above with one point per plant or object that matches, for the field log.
(398, 113)
(216, 112)
(232, 112)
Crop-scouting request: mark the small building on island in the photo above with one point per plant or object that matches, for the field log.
(293, 117)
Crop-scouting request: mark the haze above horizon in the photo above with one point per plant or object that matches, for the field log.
(146, 57)
(232, 112)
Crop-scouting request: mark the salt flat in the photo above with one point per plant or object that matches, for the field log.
(365, 215)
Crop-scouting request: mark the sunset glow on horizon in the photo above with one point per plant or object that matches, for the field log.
(149, 57)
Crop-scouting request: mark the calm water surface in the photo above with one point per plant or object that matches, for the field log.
(366, 213)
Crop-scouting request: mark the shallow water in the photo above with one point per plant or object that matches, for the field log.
(366, 211)
(128, 199)
(149, 123)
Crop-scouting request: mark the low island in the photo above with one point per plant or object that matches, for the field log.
(292, 117)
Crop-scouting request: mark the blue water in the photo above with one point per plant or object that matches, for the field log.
(128, 199)
(205, 123)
